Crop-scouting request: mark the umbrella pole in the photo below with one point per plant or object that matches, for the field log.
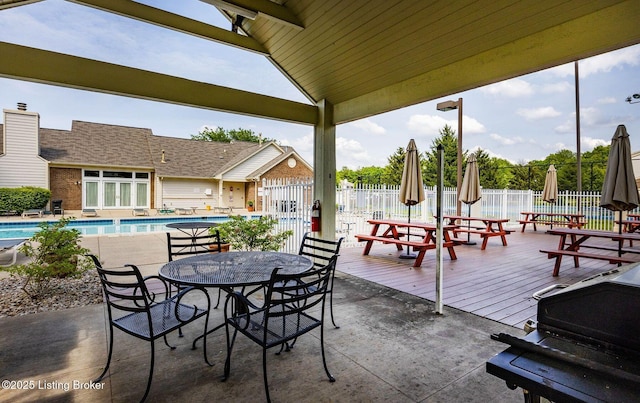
(620, 242)
(469, 228)
(408, 255)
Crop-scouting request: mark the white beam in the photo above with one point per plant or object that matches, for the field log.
(42, 66)
(141, 12)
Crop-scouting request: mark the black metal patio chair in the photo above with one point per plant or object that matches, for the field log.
(142, 307)
(56, 207)
(320, 251)
(285, 315)
(181, 245)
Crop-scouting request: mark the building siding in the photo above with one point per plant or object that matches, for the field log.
(241, 172)
(21, 165)
(188, 193)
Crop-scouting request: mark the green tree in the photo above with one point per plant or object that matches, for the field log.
(227, 136)
(449, 141)
(566, 166)
(494, 172)
(594, 166)
(393, 170)
(346, 173)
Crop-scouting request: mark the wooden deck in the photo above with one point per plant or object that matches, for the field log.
(496, 283)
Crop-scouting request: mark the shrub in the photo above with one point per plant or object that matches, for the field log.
(24, 198)
(54, 252)
(254, 234)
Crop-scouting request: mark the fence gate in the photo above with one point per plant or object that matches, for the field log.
(289, 200)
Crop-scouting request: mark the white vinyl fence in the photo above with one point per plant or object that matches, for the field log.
(290, 201)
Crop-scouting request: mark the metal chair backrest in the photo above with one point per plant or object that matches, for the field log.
(185, 245)
(319, 250)
(124, 288)
(56, 206)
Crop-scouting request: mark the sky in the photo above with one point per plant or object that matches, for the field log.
(521, 119)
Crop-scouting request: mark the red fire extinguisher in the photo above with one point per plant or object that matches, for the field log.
(315, 216)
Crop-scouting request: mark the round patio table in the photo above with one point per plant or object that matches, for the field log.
(232, 269)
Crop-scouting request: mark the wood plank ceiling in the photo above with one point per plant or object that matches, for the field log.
(363, 56)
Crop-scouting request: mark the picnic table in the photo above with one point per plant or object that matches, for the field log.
(572, 241)
(490, 227)
(571, 220)
(396, 232)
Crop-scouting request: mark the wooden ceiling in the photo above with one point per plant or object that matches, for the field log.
(365, 57)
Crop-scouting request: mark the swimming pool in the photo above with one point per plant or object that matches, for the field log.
(10, 230)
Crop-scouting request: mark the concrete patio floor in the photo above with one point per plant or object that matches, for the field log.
(390, 347)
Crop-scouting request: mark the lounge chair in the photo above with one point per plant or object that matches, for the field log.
(11, 246)
(165, 210)
(32, 213)
(140, 212)
(89, 212)
(184, 211)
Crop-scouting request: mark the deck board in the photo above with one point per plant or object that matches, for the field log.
(497, 283)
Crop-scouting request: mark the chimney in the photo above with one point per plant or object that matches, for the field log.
(22, 106)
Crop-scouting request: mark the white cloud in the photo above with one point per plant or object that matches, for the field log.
(430, 125)
(589, 143)
(368, 126)
(471, 126)
(602, 63)
(538, 113)
(516, 87)
(355, 153)
(566, 127)
(509, 141)
(561, 86)
(606, 100)
(556, 147)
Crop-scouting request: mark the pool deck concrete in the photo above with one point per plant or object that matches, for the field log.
(391, 346)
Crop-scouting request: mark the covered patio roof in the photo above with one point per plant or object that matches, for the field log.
(351, 59)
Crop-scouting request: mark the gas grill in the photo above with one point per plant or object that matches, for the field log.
(585, 346)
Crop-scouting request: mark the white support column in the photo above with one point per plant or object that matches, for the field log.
(220, 193)
(324, 168)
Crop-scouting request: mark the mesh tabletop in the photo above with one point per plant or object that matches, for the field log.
(232, 268)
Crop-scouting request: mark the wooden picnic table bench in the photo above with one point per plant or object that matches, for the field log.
(492, 227)
(577, 238)
(571, 220)
(393, 234)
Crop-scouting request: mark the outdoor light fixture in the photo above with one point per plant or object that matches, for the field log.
(448, 106)
(233, 8)
(633, 99)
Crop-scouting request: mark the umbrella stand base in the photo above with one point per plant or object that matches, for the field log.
(408, 256)
(468, 243)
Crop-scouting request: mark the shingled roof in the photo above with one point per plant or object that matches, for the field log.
(97, 144)
(196, 159)
(93, 144)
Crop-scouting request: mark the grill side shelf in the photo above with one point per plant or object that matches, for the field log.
(557, 354)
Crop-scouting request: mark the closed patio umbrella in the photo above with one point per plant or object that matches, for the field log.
(550, 191)
(411, 187)
(619, 190)
(470, 191)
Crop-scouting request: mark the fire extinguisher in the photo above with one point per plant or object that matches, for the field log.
(315, 216)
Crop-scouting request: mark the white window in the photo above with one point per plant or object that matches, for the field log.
(115, 189)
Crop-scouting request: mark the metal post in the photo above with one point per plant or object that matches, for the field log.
(578, 152)
(439, 262)
(459, 173)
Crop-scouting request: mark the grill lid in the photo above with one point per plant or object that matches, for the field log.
(603, 309)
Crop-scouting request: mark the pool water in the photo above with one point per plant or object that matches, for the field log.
(10, 230)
